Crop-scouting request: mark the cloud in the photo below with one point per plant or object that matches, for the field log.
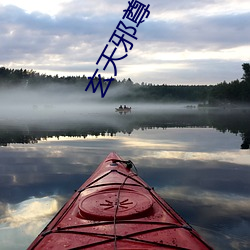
(95, 8)
(71, 41)
(214, 32)
(53, 43)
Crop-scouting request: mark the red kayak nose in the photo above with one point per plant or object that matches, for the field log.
(116, 209)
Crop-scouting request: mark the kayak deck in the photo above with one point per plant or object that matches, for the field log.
(116, 209)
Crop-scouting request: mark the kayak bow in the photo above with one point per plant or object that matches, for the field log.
(116, 209)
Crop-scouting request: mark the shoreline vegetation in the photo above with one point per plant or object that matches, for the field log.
(226, 95)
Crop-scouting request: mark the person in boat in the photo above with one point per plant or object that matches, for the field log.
(125, 106)
(120, 107)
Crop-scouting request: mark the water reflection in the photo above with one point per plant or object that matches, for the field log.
(195, 166)
(31, 210)
(110, 123)
(20, 222)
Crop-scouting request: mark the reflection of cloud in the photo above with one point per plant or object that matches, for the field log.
(221, 218)
(223, 156)
(22, 222)
(228, 203)
(2, 209)
(29, 213)
(147, 144)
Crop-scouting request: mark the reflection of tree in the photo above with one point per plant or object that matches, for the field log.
(237, 122)
(16, 137)
(246, 141)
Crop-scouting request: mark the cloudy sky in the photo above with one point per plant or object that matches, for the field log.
(181, 42)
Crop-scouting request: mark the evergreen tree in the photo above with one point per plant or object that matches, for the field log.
(246, 75)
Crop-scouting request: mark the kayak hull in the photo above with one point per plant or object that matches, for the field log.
(116, 209)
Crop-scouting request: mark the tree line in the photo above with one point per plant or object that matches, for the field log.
(236, 91)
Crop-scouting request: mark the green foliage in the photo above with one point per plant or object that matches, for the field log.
(220, 94)
(246, 75)
(234, 92)
(31, 78)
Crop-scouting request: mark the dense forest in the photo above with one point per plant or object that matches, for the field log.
(234, 92)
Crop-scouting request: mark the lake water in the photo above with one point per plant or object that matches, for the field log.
(197, 160)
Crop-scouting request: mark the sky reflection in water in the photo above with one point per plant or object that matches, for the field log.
(199, 171)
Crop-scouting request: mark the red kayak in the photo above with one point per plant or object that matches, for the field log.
(116, 209)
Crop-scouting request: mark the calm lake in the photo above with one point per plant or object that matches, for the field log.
(198, 160)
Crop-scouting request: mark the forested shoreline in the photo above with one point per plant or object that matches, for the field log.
(234, 92)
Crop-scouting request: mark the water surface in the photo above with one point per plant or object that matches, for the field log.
(193, 158)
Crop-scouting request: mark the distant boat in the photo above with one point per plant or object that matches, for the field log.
(125, 110)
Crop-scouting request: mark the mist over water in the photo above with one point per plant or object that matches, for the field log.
(65, 103)
(48, 102)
